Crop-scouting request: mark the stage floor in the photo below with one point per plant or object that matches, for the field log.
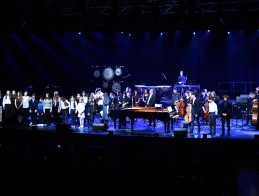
(141, 128)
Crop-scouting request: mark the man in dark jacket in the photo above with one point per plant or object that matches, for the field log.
(225, 111)
(33, 106)
(151, 101)
(195, 112)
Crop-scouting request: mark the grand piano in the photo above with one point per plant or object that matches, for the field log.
(142, 112)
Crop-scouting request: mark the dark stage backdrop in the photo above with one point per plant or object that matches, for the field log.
(67, 60)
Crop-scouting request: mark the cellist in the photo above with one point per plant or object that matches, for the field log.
(175, 99)
(186, 99)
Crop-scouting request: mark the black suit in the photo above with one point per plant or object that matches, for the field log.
(33, 105)
(195, 112)
(151, 101)
(257, 98)
(225, 108)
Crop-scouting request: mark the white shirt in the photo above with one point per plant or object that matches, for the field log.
(193, 100)
(149, 98)
(63, 106)
(213, 107)
(6, 100)
(85, 100)
(25, 101)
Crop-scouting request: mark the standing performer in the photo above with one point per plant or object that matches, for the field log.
(64, 108)
(106, 102)
(195, 112)
(25, 107)
(144, 97)
(40, 112)
(73, 111)
(7, 108)
(151, 100)
(112, 101)
(18, 105)
(56, 107)
(99, 100)
(249, 106)
(33, 105)
(81, 112)
(213, 112)
(225, 110)
(47, 108)
(175, 97)
(90, 110)
(135, 98)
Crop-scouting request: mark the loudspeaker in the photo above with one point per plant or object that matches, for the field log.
(1, 112)
(180, 132)
(99, 127)
(63, 128)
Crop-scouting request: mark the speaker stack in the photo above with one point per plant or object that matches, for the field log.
(98, 127)
(180, 132)
(1, 110)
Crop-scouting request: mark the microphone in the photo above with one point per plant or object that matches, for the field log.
(126, 76)
(164, 76)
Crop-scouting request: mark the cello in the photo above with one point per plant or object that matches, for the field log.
(206, 111)
(255, 113)
(180, 107)
(188, 115)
